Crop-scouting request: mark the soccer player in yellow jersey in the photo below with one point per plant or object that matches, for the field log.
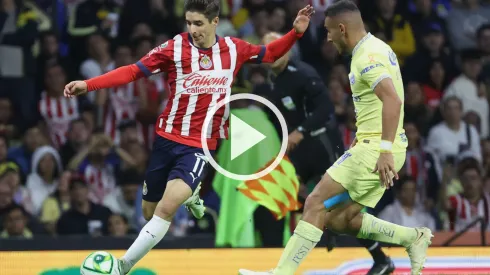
(360, 177)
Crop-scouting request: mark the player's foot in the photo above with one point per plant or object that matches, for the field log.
(123, 267)
(382, 268)
(195, 204)
(249, 272)
(417, 251)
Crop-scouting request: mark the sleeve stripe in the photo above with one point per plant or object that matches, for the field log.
(261, 54)
(380, 78)
(143, 68)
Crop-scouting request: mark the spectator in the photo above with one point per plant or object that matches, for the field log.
(57, 203)
(78, 137)
(452, 137)
(485, 147)
(329, 55)
(404, 210)
(393, 28)
(435, 84)
(4, 143)
(139, 154)
(424, 15)
(10, 174)
(483, 38)
(118, 226)
(277, 20)
(466, 88)
(84, 216)
(87, 18)
(338, 96)
(8, 126)
(122, 199)
(463, 22)
(57, 110)
(100, 164)
(98, 63)
(422, 166)
(473, 202)
(33, 139)
(15, 224)
(415, 109)
(155, 13)
(260, 27)
(51, 54)
(43, 180)
(6, 199)
(339, 72)
(432, 48)
(348, 128)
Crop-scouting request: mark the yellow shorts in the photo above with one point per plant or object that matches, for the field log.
(354, 171)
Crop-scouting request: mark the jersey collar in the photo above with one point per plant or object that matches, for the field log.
(204, 49)
(366, 37)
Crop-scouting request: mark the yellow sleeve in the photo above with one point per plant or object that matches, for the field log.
(50, 211)
(372, 67)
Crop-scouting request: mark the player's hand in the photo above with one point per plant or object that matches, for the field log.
(75, 88)
(354, 142)
(294, 139)
(386, 169)
(303, 19)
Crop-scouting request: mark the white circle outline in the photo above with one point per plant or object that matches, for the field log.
(276, 161)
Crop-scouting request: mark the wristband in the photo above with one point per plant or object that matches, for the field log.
(385, 146)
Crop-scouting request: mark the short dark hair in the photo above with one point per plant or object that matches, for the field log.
(210, 8)
(448, 99)
(481, 29)
(404, 179)
(341, 6)
(468, 163)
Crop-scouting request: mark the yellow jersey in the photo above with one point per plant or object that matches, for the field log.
(372, 61)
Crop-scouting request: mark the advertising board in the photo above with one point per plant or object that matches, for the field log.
(341, 261)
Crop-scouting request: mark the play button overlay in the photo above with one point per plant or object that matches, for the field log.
(244, 137)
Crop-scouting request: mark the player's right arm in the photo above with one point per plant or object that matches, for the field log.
(156, 61)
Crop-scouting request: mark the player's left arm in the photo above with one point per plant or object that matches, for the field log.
(273, 51)
(375, 72)
(392, 104)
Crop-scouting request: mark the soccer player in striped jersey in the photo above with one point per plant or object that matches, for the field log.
(201, 67)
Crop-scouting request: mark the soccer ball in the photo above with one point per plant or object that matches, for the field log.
(100, 262)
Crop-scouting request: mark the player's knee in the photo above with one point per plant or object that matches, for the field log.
(148, 213)
(148, 209)
(314, 202)
(336, 222)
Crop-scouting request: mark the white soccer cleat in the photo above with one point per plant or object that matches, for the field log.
(417, 251)
(195, 204)
(249, 272)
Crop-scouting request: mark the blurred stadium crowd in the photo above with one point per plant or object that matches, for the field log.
(76, 166)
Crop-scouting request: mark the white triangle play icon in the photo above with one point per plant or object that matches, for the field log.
(243, 136)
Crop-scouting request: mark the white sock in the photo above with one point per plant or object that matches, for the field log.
(151, 234)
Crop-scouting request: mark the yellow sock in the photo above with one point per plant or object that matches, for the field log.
(376, 229)
(304, 239)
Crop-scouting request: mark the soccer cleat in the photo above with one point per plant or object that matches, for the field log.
(417, 251)
(123, 267)
(195, 204)
(382, 268)
(249, 272)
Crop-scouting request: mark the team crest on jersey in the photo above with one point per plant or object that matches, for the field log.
(352, 79)
(164, 45)
(392, 57)
(206, 62)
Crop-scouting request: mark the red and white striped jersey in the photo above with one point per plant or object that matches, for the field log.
(58, 112)
(101, 181)
(198, 79)
(463, 212)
